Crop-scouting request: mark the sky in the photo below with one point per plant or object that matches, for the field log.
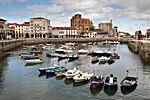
(128, 15)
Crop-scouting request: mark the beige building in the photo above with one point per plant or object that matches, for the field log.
(105, 27)
(5, 31)
(39, 27)
(21, 30)
(82, 24)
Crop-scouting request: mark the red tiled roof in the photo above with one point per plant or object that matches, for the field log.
(39, 18)
(16, 24)
(64, 28)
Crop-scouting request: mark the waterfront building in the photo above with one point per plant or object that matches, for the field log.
(82, 24)
(124, 34)
(90, 34)
(105, 27)
(21, 30)
(108, 29)
(39, 28)
(5, 31)
(138, 35)
(64, 32)
(148, 33)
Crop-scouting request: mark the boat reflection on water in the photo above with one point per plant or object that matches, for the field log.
(111, 90)
(79, 83)
(42, 74)
(95, 90)
(127, 90)
(60, 77)
(68, 81)
(49, 76)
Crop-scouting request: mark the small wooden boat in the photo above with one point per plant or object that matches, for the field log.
(95, 60)
(23, 55)
(64, 56)
(82, 77)
(30, 57)
(82, 51)
(52, 54)
(36, 52)
(110, 81)
(97, 81)
(33, 61)
(103, 60)
(126, 90)
(54, 70)
(115, 55)
(73, 56)
(129, 81)
(110, 61)
(71, 73)
(60, 73)
(43, 69)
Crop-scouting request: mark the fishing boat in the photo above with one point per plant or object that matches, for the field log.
(110, 81)
(82, 77)
(95, 60)
(129, 80)
(71, 73)
(34, 61)
(97, 81)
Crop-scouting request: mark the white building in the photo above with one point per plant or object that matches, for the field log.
(90, 35)
(64, 32)
(39, 27)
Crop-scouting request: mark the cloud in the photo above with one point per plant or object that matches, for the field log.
(45, 9)
(61, 11)
(10, 1)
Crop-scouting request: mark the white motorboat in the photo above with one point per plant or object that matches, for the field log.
(34, 61)
(71, 73)
(83, 77)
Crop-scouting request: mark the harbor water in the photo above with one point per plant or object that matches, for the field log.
(19, 81)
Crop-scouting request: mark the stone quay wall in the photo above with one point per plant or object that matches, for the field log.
(141, 47)
(7, 45)
(76, 40)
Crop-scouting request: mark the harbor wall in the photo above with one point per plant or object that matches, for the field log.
(7, 45)
(76, 40)
(142, 48)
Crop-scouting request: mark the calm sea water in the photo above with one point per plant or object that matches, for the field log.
(21, 82)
